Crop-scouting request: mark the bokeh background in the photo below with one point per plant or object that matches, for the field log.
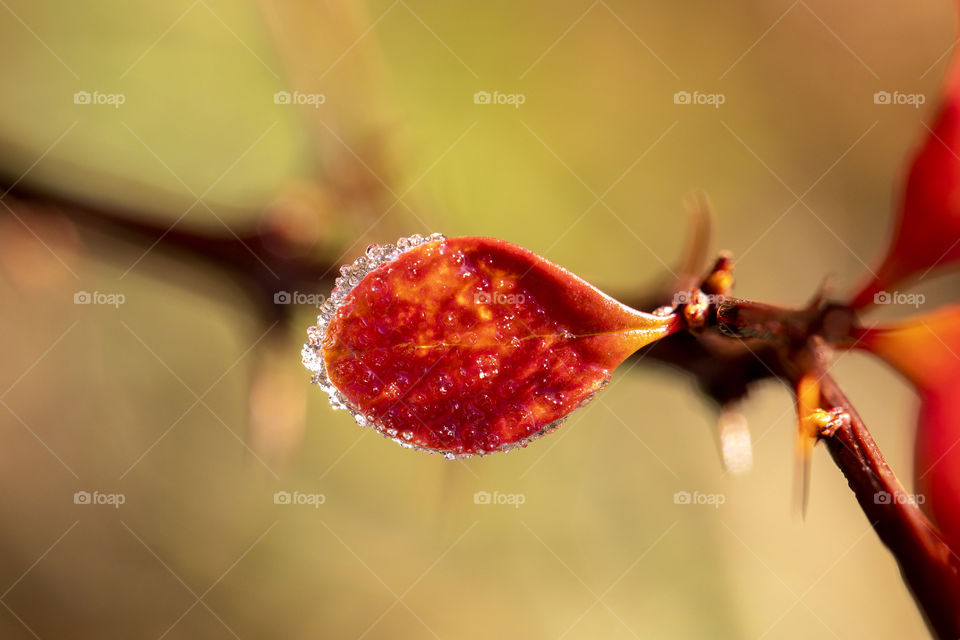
(189, 401)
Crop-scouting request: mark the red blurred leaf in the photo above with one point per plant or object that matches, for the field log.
(926, 350)
(927, 231)
(468, 345)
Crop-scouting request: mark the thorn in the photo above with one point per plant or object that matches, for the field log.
(802, 482)
(827, 286)
(736, 449)
(809, 420)
(700, 235)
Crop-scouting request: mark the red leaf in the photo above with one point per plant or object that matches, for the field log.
(926, 350)
(468, 345)
(927, 232)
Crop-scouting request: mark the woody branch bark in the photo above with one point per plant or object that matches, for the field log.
(928, 565)
(770, 342)
(250, 257)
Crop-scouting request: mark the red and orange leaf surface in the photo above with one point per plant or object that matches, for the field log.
(927, 231)
(466, 346)
(926, 350)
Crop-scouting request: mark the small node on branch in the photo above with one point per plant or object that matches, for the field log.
(695, 311)
(720, 281)
(827, 422)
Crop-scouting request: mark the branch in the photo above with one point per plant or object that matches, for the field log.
(254, 258)
(725, 368)
(927, 564)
